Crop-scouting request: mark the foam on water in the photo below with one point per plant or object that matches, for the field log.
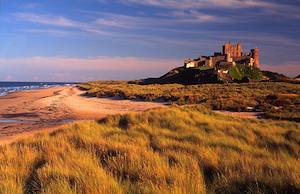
(9, 87)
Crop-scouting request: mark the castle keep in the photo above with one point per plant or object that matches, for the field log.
(230, 56)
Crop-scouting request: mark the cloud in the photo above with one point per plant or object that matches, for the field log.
(161, 20)
(60, 25)
(59, 21)
(94, 63)
(84, 69)
(118, 20)
(191, 4)
(284, 9)
(55, 32)
(179, 12)
(47, 20)
(101, 67)
(193, 16)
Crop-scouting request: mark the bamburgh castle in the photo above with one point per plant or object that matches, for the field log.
(229, 57)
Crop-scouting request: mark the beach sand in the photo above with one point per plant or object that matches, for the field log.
(243, 115)
(24, 113)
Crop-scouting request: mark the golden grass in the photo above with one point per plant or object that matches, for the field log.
(171, 150)
(278, 100)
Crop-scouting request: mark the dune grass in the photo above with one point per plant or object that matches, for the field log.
(278, 100)
(185, 149)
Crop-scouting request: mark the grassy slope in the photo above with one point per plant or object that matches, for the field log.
(173, 150)
(196, 75)
(241, 71)
(274, 76)
(273, 98)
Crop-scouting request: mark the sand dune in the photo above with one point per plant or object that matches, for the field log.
(22, 113)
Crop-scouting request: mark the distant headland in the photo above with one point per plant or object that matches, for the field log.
(229, 65)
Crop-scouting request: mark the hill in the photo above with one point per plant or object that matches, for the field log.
(171, 150)
(204, 74)
(273, 76)
(185, 76)
(276, 77)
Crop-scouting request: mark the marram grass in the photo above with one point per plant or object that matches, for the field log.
(280, 101)
(170, 150)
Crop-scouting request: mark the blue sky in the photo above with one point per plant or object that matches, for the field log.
(80, 40)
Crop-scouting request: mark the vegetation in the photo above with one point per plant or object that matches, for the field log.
(285, 106)
(185, 149)
(186, 76)
(206, 74)
(242, 71)
(236, 73)
(274, 76)
(203, 68)
(278, 100)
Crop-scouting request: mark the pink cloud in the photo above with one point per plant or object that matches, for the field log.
(83, 69)
(92, 68)
(93, 63)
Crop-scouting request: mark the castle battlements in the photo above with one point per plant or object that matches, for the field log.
(230, 56)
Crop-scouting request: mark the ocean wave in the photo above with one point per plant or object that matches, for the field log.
(6, 88)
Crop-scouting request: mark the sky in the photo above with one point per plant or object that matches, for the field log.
(82, 40)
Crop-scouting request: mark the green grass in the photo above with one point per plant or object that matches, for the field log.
(241, 71)
(236, 73)
(233, 97)
(202, 68)
(186, 149)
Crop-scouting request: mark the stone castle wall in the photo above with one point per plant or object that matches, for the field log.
(232, 54)
(255, 56)
(233, 50)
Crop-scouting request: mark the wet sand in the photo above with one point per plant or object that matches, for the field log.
(23, 113)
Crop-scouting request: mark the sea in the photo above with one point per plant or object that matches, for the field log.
(8, 87)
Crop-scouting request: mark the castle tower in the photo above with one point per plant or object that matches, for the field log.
(233, 50)
(209, 62)
(255, 56)
(228, 58)
(239, 49)
(226, 48)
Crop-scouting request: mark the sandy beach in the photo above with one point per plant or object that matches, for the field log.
(22, 113)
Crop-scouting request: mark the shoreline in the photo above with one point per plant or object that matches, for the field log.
(25, 112)
(33, 87)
